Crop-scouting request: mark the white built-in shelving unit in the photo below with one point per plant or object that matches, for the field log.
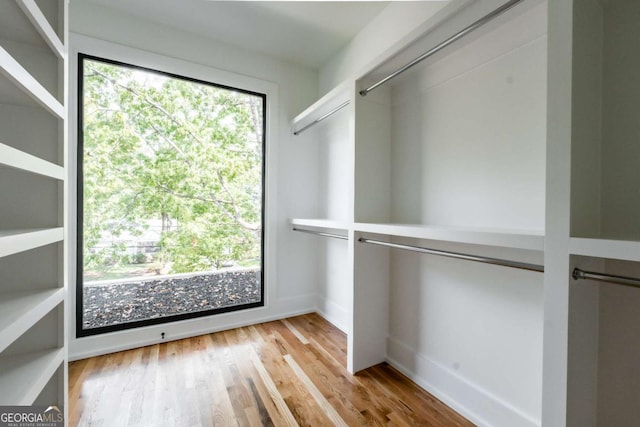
(518, 142)
(448, 157)
(33, 54)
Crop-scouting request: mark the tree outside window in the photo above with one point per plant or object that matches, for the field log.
(172, 175)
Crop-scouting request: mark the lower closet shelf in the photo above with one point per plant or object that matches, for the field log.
(517, 239)
(23, 376)
(21, 310)
(320, 223)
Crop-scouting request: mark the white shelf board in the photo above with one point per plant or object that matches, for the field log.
(14, 158)
(520, 239)
(320, 223)
(28, 84)
(22, 377)
(602, 248)
(42, 25)
(15, 241)
(21, 310)
(332, 99)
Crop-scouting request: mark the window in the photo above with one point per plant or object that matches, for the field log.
(170, 197)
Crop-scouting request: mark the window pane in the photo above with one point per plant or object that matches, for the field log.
(172, 189)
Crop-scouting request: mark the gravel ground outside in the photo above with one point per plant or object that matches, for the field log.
(119, 302)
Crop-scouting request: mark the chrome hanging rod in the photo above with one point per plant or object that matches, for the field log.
(479, 23)
(320, 233)
(321, 118)
(467, 257)
(611, 278)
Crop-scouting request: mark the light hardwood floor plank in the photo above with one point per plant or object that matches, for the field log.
(283, 373)
(272, 389)
(329, 410)
(321, 377)
(295, 331)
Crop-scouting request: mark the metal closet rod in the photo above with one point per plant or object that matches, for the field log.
(320, 233)
(321, 118)
(467, 257)
(603, 277)
(477, 24)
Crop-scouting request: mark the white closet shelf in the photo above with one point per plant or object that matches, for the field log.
(14, 158)
(23, 376)
(22, 79)
(627, 250)
(15, 241)
(21, 310)
(331, 100)
(42, 25)
(519, 239)
(321, 223)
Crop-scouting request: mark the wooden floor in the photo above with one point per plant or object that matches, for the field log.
(289, 372)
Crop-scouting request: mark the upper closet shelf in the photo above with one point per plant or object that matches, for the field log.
(15, 241)
(320, 223)
(11, 157)
(518, 239)
(27, 83)
(21, 310)
(42, 25)
(22, 377)
(602, 248)
(331, 103)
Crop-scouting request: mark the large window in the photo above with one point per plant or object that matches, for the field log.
(170, 197)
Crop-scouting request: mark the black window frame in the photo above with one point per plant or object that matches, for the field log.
(80, 330)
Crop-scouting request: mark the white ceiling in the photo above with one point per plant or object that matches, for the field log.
(305, 32)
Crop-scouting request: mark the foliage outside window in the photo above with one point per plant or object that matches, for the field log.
(171, 174)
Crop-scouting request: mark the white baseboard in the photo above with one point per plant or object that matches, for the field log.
(471, 401)
(98, 345)
(333, 313)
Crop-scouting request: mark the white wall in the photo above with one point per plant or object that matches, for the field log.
(469, 133)
(469, 333)
(334, 196)
(290, 88)
(468, 146)
(334, 282)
